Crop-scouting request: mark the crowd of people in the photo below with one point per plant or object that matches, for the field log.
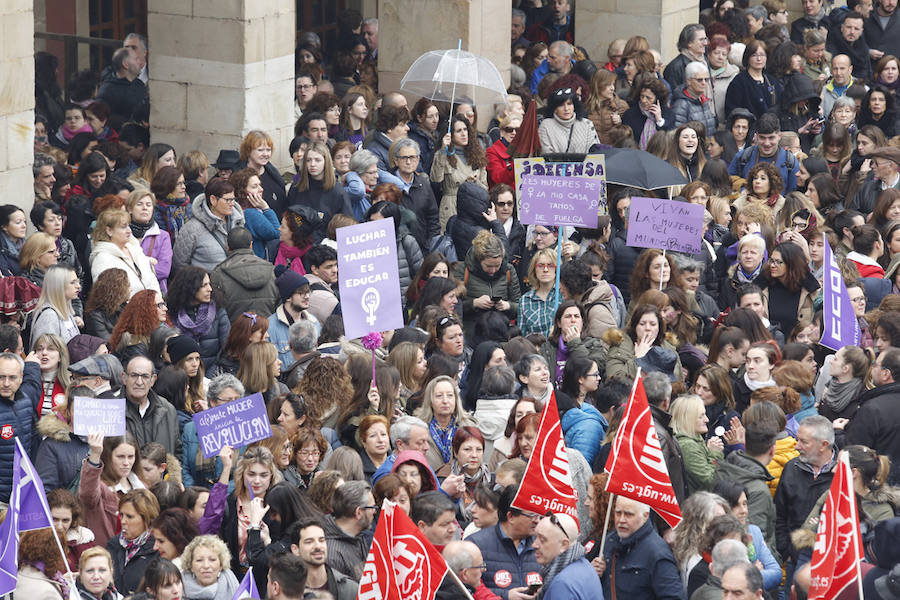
(180, 284)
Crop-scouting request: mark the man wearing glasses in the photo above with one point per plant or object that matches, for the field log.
(692, 102)
(464, 558)
(877, 422)
(148, 416)
(507, 548)
(567, 573)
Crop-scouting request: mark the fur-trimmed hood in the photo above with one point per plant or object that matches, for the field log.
(54, 427)
(614, 337)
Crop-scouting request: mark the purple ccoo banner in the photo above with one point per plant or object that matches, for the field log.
(840, 326)
(560, 201)
(665, 224)
(236, 424)
(368, 278)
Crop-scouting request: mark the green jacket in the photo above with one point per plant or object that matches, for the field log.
(588, 347)
(749, 472)
(620, 361)
(504, 283)
(699, 462)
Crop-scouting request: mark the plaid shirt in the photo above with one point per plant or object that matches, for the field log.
(536, 315)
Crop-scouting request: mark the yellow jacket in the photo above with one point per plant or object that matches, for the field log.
(784, 451)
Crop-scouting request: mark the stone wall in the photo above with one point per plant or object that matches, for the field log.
(220, 68)
(17, 101)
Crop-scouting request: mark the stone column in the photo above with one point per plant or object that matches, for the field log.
(409, 28)
(598, 22)
(219, 68)
(17, 101)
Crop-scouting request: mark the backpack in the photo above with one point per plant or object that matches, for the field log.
(443, 243)
(790, 161)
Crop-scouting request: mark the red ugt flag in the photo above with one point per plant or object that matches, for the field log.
(636, 466)
(838, 548)
(547, 483)
(378, 581)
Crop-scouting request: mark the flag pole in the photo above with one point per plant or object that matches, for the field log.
(461, 585)
(612, 499)
(660, 272)
(453, 93)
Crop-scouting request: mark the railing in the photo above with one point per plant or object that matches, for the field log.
(70, 47)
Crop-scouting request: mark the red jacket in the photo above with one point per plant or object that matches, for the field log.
(500, 165)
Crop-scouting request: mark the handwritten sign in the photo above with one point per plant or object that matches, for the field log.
(665, 224)
(99, 415)
(593, 167)
(560, 201)
(368, 278)
(236, 424)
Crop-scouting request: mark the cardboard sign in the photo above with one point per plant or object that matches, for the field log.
(593, 167)
(560, 201)
(665, 224)
(99, 415)
(368, 278)
(236, 424)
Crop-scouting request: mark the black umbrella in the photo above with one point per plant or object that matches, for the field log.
(636, 168)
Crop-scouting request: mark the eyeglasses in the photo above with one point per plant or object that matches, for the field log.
(528, 515)
(228, 200)
(306, 86)
(408, 157)
(549, 514)
(775, 261)
(501, 204)
(370, 507)
(701, 78)
(542, 233)
(310, 453)
(375, 172)
(140, 376)
(161, 305)
(597, 375)
(544, 267)
(858, 299)
(481, 567)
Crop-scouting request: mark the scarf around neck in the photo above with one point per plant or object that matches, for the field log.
(838, 396)
(443, 438)
(562, 560)
(138, 230)
(562, 355)
(133, 546)
(758, 385)
(200, 324)
(290, 256)
(222, 589)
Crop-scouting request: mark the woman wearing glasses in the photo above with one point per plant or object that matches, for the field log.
(114, 247)
(565, 128)
(536, 305)
(499, 162)
(155, 242)
(752, 89)
(309, 448)
(789, 285)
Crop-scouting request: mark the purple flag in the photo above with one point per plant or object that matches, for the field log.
(28, 509)
(841, 327)
(247, 589)
(368, 278)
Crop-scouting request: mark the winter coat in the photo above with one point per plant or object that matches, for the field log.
(346, 553)
(805, 296)
(507, 568)
(867, 195)
(500, 164)
(427, 145)
(720, 83)
(409, 259)
(60, 455)
(128, 576)
(263, 226)
(578, 580)
(451, 177)
(685, 107)
(17, 418)
(34, 585)
(273, 189)
(754, 476)
(785, 451)
(211, 341)
(124, 97)
(620, 361)
(100, 502)
(746, 92)
(674, 71)
(418, 197)
(50, 321)
(247, 283)
(644, 564)
(471, 201)
(158, 424)
(797, 88)
(670, 449)
(380, 144)
(191, 473)
(600, 309)
(574, 136)
(278, 334)
(619, 268)
(504, 283)
(322, 300)
(172, 214)
(329, 202)
(884, 38)
(202, 242)
(157, 244)
(131, 259)
(877, 425)
(584, 429)
(797, 493)
(786, 163)
(99, 324)
(636, 120)
(699, 462)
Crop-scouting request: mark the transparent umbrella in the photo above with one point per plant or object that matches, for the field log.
(455, 76)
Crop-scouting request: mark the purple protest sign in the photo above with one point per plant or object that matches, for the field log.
(236, 424)
(368, 278)
(100, 415)
(560, 200)
(841, 327)
(665, 224)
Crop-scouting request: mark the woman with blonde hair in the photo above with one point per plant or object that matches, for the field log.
(254, 476)
(114, 247)
(255, 152)
(206, 573)
(53, 356)
(259, 370)
(38, 254)
(157, 156)
(95, 575)
(409, 360)
(442, 410)
(537, 304)
(54, 312)
(318, 186)
(155, 242)
(690, 424)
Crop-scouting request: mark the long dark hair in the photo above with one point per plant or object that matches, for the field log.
(474, 153)
(435, 289)
(555, 332)
(184, 287)
(795, 266)
(576, 368)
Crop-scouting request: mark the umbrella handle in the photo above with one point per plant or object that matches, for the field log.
(453, 93)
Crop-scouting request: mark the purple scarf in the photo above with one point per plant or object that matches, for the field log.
(206, 313)
(562, 355)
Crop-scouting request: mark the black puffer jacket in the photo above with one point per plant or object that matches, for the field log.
(618, 270)
(17, 419)
(409, 258)
(471, 201)
(60, 455)
(98, 323)
(213, 340)
(128, 576)
(798, 491)
(797, 88)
